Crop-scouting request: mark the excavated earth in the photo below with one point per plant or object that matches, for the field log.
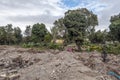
(17, 63)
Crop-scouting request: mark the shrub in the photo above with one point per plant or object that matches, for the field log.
(113, 49)
(55, 46)
(28, 45)
(48, 38)
(32, 44)
(94, 47)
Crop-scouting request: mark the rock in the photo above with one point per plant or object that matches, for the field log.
(10, 77)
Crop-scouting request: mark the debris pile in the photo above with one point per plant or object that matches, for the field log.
(19, 64)
(94, 62)
(9, 67)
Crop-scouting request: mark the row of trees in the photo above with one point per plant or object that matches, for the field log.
(9, 35)
(79, 25)
(36, 33)
(76, 26)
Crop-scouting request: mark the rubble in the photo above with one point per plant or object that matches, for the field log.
(11, 75)
(19, 64)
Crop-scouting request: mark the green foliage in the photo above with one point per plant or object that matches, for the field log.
(29, 45)
(58, 31)
(38, 32)
(109, 48)
(2, 35)
(77, 22)
(86, 42)
(42, 45)
(115, 27)
(32, 44)
(113, 49)
(27, 38)
(48, 38)
(98, 37)
(95, 47)
(9, 36)
(55, 46)
(60, 28)
(17, 35)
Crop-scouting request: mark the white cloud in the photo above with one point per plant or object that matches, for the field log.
(103, 8)
(25, 12)
(112, 8)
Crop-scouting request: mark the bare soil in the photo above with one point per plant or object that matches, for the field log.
(17, 63)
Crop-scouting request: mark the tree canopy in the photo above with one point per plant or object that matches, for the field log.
(77, 22)
(38, 32)
(115, 27)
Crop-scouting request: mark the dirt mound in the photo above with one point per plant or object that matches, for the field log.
(20, 64)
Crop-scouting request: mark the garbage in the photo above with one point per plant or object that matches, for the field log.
(114, 74)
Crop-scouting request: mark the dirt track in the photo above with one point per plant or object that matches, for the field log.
(28, 64)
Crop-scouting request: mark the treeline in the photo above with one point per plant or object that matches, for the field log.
(10, 35)
(77, 26)
(36, 33)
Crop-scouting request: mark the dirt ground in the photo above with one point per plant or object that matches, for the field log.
(29, 64)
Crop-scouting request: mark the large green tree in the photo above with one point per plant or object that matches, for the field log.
(38, 32)
(115, 27)
(9, 36)
(77, 22)
(17, 35)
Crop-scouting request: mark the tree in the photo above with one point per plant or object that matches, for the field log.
(28, 31)
(58, 31)
(17, 35)
(77, 22)
(99, 37)
(38, 32)
(9, 33)
(2, 35)
(115, 27)
(48, 38)
(54, 33)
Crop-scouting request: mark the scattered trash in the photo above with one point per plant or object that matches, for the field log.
(114, 74)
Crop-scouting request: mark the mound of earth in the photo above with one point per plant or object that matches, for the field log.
(28, 64)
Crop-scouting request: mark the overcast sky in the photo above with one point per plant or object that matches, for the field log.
(27, 12)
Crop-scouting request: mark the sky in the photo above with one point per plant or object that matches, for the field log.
(28, 12)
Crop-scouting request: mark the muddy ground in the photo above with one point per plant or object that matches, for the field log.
(29, 64)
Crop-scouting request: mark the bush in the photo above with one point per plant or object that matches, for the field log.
(113, 49)
(110, 48)
(28, 45)
(95, 47)
(55, 46)
(48, 38)
(42, 45)
(32, 44)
